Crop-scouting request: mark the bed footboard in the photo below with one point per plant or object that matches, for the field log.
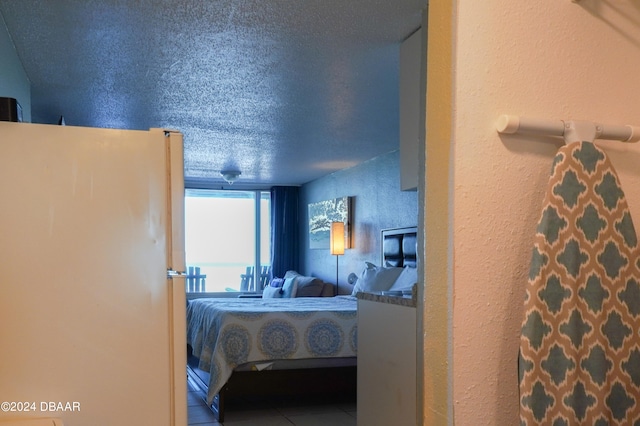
(336, 382)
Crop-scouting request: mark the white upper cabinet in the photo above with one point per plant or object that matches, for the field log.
(410, 105)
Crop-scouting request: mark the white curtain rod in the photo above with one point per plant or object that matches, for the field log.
(572, 131)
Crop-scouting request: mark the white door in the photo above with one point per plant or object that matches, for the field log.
(87, 315)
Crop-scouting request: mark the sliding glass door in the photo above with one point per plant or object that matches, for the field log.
(227, 243)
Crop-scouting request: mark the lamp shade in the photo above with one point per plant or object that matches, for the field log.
(336, 238)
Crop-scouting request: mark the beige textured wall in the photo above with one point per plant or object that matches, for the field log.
(434, 189)
(550, 59)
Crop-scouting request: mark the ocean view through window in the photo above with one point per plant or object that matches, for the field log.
(227, 234)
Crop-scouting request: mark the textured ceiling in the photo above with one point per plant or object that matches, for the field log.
(284, 91)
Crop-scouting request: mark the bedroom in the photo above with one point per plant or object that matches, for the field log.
(373, 185)
(552, 59)
(373, 211)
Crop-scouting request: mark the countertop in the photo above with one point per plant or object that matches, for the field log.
(380, 297)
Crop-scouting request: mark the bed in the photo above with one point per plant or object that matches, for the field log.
(235, 342)
(256, 346)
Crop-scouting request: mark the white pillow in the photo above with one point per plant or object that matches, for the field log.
(376, 278)
(405, 281)
(272, 292)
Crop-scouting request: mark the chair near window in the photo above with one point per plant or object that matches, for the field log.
(265, 276)
(195, 281)
(246, 279)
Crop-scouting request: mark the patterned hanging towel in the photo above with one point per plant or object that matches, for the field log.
(580, 345)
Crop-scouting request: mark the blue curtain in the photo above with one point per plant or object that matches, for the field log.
(284, 230)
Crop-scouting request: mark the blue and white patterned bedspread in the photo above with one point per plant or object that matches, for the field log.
(225, 333)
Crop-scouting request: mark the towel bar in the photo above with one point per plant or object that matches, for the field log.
(572, 131)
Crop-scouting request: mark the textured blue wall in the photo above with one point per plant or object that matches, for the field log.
(378, 203)
(13, 79)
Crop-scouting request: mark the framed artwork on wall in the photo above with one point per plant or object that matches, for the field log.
(321, 214)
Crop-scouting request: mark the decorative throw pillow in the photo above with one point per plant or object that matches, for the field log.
(276, 282)
(272, 292)
(289, 288)
(376, 278)
(405, 281)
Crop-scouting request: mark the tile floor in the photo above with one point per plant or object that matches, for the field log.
(298, 412)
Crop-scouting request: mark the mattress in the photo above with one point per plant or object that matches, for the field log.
(226, 334)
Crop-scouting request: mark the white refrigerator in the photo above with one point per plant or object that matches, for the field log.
(92, 323)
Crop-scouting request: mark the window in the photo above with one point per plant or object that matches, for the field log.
(226, 237)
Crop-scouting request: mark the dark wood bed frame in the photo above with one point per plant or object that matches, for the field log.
(334, 382)
(399, 249)
(399, 246)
